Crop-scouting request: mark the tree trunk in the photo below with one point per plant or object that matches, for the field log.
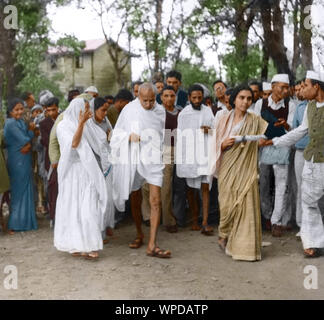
(265, 63)
(274, 38)
(296, 56)
(306, 36)
(7, 59)
(158, 30)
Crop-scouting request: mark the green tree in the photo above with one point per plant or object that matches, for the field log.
(32, 45)
(240, 68)
(28, 46)
(196, 73)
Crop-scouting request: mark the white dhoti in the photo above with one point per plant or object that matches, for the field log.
(196, 182)
(312, 228)
(299, 165)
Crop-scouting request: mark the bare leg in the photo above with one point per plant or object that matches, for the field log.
(205, 198)
(193, 208)
(136, 199)
(155, 203)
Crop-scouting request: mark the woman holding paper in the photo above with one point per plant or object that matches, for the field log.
(236, 167)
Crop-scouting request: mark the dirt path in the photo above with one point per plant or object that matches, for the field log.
(198, 269)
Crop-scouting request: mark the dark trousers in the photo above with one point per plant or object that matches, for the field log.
(52, 193)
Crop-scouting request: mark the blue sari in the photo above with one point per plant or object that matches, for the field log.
(22, 206)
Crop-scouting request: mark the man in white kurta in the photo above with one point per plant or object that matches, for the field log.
(279, 114)
(312, 228)
(194, 124)
(137, 146)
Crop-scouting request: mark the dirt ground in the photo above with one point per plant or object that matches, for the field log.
(198, 269)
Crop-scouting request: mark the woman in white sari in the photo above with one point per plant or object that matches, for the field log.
(81, 210)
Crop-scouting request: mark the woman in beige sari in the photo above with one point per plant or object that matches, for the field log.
(236, 167)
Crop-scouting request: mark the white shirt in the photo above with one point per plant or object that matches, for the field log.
(252, 107)
(221, 105)
(218, 115)
(295, 135)
(277, 106)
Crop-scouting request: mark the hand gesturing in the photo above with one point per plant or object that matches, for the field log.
(86, 115)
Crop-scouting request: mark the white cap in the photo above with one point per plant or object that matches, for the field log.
(44, 96)
(280, 77)
(91, 89)
(314, 76)
(37, 107)
(266, 86)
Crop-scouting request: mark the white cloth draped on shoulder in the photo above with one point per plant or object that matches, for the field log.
(192, 150)
(224, 129)
(144, 157)
(82, 201)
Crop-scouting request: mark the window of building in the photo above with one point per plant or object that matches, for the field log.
(53, 62)
(79, 62)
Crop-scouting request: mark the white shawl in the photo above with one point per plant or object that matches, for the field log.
(144, 157)
(92, 140)
(192, 143)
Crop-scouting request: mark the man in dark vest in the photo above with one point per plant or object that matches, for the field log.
(275, 161)
(173, 79)
(312, 228)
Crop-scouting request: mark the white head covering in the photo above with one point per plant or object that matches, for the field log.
(266, 86)
(314, 76)
(280, 77)
(44, 96)
(37, 107)
(91, 89)
(93, 134)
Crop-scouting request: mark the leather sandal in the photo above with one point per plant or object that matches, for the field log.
(136, 243)
(91, 256)
(159, 253)
(171, 229)
(311, 253)
(207, 232)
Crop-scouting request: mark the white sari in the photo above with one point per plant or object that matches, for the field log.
(83, 196)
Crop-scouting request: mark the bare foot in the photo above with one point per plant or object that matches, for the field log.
(109, 232)
(195, 227)
(222, 243)
(94, 255)
(11, 232)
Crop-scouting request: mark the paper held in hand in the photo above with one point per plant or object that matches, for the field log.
(239, 139)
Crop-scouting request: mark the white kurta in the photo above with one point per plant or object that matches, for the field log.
(192, 152)
(277, 158)
(134, 163)
(312, 189)
(82, 198)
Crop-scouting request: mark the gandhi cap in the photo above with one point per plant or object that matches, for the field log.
(280, 77)
(266, 86)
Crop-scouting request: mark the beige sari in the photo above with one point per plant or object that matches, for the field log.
(239, 201)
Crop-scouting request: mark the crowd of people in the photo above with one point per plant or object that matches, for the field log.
(250, 159)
